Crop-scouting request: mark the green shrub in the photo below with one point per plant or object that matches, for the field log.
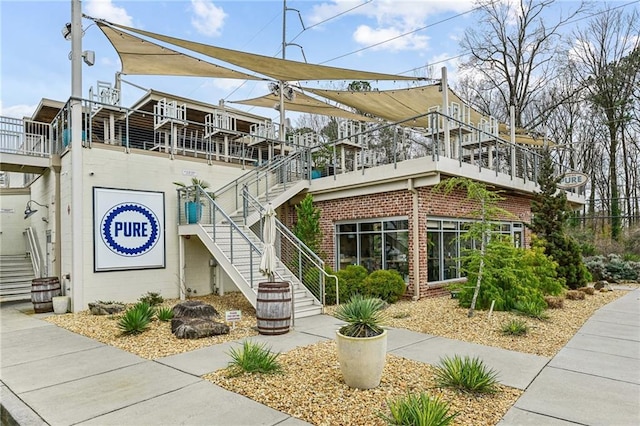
(152, 298)
(510, 276)
(351, 280)
(612, 268)
(418, 410)
(164, 313)
(312, 277)
(387, 285)
(515, 327)
(363, 316)
(466, 374)
(253, 358)
(136, 319)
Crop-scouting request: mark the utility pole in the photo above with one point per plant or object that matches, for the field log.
(77, 230)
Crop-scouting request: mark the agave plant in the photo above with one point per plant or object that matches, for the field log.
(363, 315)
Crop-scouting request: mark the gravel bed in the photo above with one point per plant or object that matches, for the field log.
(311, 386)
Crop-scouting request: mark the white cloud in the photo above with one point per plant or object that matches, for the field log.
(389, 19)
(104, 9)
(368, 36)
(17, 111)
(208, 18)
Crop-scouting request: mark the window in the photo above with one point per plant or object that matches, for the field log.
(374, 244)
(445, 247)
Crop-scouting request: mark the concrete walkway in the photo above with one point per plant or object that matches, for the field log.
(52, 376)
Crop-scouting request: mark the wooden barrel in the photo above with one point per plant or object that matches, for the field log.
(42, 292)
(273, 308)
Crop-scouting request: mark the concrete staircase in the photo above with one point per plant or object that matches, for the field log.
(16, 274)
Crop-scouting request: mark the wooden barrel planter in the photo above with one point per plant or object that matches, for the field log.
(42, 292)
(273, 308)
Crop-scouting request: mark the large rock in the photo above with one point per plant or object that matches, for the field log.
(105, 308)
(194, 309)
(196, 328)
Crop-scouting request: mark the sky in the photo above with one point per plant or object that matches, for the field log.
(391, 36)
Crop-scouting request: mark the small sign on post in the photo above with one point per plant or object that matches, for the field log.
(232, 317)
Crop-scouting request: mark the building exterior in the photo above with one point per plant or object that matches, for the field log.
(168, 195)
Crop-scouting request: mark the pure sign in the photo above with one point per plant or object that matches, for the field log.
(573, 180)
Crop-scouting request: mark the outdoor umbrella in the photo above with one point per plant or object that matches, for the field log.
(268, 261)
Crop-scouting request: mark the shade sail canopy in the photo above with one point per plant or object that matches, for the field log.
(402, 104)
(304, 103)
(141, 57)
(395, 105)
(275, 68)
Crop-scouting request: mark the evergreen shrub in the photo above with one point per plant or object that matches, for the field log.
(612, 268)
(350, 280)
(387, 285)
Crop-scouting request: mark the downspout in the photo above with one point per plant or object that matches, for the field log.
(416, 240)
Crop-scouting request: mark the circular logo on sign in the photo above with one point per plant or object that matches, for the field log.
(130, 229)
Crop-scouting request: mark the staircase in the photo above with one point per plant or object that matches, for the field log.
(225, 228)
(16, 274)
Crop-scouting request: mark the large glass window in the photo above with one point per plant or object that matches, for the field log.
(445, 245)
(374, 244)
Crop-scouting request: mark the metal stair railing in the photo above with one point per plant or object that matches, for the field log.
(33, 251)
(281, 170)
(303, 262)
(212, 214)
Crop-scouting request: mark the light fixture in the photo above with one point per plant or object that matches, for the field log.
(66, 31)
(28, 211)
(89, 57)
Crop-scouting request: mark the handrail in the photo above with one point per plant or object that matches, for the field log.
(215, 214)
(34, 251)
(230, 194)
(303, 267)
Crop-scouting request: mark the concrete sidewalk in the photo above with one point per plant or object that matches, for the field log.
(594, 379)
(53, 376)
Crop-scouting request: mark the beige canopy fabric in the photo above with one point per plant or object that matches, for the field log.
(401, 104)
(397, 104)
(304, 103)
(141, 57)
(278, 69)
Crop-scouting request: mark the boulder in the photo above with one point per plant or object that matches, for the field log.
(98, 308)
(194, 309)
(196, 328)
(600, 285)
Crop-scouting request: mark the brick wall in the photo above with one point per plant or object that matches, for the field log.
(399, 203)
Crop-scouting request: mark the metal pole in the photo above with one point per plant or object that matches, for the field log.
(77, 251)
(282, 130)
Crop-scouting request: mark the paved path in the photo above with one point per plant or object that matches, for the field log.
(52, 376)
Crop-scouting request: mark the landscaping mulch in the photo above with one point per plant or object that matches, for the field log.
(311, 386)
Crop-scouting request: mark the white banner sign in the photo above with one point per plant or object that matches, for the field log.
(128, 229)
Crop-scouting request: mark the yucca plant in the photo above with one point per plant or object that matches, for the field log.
(515, 327)
(253, 358)
(532, 309)
(137, 319)
(152, 298)
(466, 374)
(418, 410)
(164, 313)
(363, 315)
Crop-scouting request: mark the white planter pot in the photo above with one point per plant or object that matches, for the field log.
(362, 359)
(60, 304)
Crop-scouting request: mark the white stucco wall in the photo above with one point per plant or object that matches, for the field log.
(110, 167)
(12, 223)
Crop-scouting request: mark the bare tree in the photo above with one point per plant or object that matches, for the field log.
(604, 58)
(512, 50)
